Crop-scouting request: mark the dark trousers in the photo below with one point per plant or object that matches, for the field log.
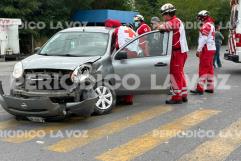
(217, 57)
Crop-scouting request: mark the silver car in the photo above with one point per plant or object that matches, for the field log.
(79, 72)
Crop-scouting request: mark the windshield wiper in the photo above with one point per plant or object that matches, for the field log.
(44, 54)
(68, 55)
(64, 55)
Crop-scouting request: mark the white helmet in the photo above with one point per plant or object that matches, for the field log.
(139, 18)
(202, 15)
(167, 8)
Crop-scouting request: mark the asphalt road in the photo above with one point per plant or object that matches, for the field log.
(208, 128)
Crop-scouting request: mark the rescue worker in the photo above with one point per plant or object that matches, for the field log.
(218, 41)
(140, 24)
(142, 28)
(179, 53)
(113, 24)
(156, 39)
(155, 23)
(206, 51)
(124, 35)
(121, 36)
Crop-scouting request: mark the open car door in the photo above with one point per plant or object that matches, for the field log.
(143, 64)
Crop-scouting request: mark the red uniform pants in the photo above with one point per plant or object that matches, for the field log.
(206, 70)
(178, 80)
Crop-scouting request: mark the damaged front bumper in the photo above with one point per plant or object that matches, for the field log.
(44, 107)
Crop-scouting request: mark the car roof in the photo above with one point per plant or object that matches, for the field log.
(89, 29)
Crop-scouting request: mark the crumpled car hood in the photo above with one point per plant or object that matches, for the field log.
(56, 62)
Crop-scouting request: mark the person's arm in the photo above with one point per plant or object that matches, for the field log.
(205, 30)
(221, 35)
(201, 42)
(166, 27)
(114, 40)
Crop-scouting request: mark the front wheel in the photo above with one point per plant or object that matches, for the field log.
(106, 99)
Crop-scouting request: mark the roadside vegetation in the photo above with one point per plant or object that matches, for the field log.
(62, 10)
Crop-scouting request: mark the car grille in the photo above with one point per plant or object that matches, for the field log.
(47, 79)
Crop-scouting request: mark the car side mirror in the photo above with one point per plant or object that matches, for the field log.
(121, 55)
(37, 49)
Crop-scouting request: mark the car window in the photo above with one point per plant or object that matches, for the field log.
(149, 45)
(77, 44)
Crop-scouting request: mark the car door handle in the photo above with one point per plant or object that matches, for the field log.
(161, 64)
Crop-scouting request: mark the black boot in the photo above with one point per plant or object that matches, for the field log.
(173, 102)
(197, 92)
(209, 91)
(184, 99)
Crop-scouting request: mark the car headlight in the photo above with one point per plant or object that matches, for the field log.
(81, 74)
(18, 70)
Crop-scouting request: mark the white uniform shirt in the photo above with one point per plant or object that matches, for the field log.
(207, 37)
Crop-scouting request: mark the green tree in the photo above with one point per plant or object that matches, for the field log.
(18, 8)
(51, 12)
(187, 10)
(23, 9)
(111, 4)
(74, 5)
(62, 10)
(144, 8)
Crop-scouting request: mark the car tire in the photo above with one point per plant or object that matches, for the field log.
(107, 99)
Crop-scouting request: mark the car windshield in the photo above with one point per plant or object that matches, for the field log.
(76, 44)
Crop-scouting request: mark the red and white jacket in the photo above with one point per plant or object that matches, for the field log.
(123, 35)
(179, 41)
(207, 36)
(144, 28)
